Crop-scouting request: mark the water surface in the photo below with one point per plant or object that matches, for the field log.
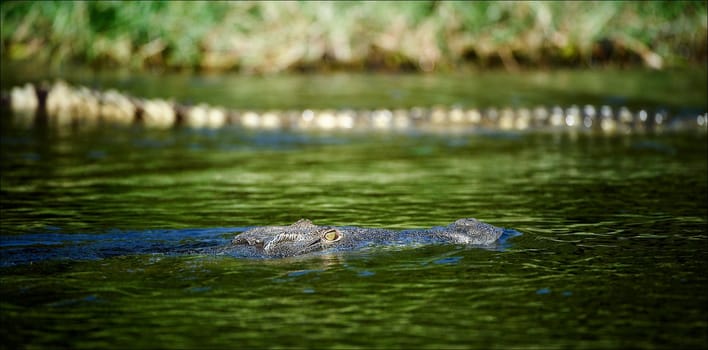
(613, 253)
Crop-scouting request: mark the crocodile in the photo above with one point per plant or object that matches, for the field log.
(303, 237)
(63, 105)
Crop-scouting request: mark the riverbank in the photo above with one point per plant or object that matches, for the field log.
(272, 37)
(64, 106)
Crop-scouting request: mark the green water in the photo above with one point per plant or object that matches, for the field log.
(613, 253)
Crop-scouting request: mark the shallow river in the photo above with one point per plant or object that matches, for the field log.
(613, 250)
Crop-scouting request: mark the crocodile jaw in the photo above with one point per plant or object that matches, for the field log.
(280, 241)
(279, 244)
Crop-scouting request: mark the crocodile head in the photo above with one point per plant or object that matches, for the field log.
(299, 238)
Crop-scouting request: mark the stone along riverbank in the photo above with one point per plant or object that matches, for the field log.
(62, 105)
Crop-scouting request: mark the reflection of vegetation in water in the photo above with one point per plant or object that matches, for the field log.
(426, 35)
(611, 253)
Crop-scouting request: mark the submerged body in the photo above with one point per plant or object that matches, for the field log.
(305, 237)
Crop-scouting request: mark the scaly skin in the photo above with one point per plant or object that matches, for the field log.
(305, 237)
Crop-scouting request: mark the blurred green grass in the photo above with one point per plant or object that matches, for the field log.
(268, 37)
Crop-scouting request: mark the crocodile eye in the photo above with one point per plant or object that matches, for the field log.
(332, 235)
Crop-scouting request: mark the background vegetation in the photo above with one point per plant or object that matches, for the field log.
(266, 37)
